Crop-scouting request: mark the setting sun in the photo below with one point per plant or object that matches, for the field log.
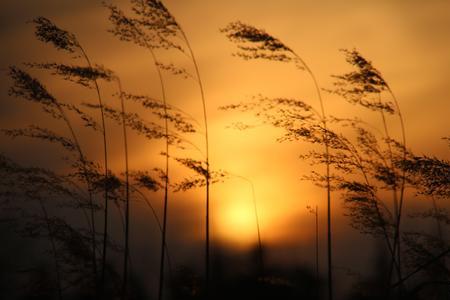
(236, 222)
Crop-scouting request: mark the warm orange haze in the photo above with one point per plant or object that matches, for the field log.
(222, 125)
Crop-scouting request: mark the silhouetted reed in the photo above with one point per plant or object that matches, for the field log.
(315, 212)
(255, 43)
(48, 32)
(431, 175)
(154, 27)
(364, 86)
(301, 122)
(156, 17)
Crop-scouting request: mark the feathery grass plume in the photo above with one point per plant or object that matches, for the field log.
(82, 75)
(149, 129)
(88, 120)
(112, 182)
(432, 175)
(145, 180)
(30, 88)
(125, 28)
(365, 86)
(37, 132)
(181, 121)
(290, 114)
(146, 101)
(199, 167)
(255, 43)
(363, 208)
(148, 28)
(27, 87)
(47, 32)
(362, 86)
(175, 70)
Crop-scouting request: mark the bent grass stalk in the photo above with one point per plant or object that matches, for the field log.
(147, 45)
(327, 153)
(127, 187)
(200, 85)
(255, 43)
(156, 18)
(397, 241)
(105, 157)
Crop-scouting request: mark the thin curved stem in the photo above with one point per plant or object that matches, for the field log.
(205, 119)
(327, 153)
(105, 157)
(166, 181)
(255, 209)
(158, 222)
(397, 241)
(166, 184)
(395, 202)
(127, 188)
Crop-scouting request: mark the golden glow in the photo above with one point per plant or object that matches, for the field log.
(236, 221)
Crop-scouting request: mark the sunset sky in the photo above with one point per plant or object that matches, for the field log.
(408, 41)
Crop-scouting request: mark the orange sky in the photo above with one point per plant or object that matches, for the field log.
(408, 41)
